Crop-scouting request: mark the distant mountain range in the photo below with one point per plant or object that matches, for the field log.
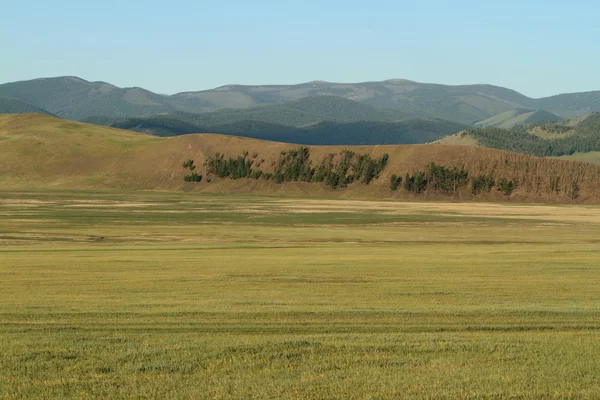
(77, 99)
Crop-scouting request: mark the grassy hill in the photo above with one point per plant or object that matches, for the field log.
(573, 138)
(522, 116)
(39, 151)
(77, 99)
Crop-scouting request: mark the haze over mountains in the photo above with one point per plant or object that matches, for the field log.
(77, 99)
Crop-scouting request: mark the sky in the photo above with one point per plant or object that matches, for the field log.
(538, 48)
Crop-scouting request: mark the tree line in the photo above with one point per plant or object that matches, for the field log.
(500, 172)
(449, 180)
(336, 170)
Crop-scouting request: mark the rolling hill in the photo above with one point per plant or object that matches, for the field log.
(566, 138)
(298, 113)
(76, 99)
(40, 151)
(522, 116)
(571, 104)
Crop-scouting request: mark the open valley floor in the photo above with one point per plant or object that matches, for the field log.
(187, 296)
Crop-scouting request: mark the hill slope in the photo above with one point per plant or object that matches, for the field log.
(13, 106)
(38, 151)
(571, 104)
(563, 138)
(77, 99)
(322, 133)
(297, 113)
(523, 116)
(322, 120)
(293, 114)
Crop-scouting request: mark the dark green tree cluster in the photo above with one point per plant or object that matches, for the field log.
(351, 167)
(445, 179)
(295, 165)
(395, 182)
(368, 169)
(416, 183)
(233, 168)
(436, 177)
(507, 186)
(192, 176)
(482, 183)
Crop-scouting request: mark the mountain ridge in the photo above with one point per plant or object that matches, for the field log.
(75, 98)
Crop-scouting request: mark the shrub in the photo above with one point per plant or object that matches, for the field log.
(395, 182)
(189, 164)
(193, 177)
(482, 183)
(506, 186)
(416, 183)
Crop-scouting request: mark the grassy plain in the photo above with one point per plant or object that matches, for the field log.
(170, 295)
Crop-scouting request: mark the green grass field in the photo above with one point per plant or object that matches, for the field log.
(169, 295)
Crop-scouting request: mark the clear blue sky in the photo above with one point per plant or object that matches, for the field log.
(536, 47)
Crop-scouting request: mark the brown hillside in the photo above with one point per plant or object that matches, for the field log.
(38, 151)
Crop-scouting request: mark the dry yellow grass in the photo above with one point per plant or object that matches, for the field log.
(193, 295)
